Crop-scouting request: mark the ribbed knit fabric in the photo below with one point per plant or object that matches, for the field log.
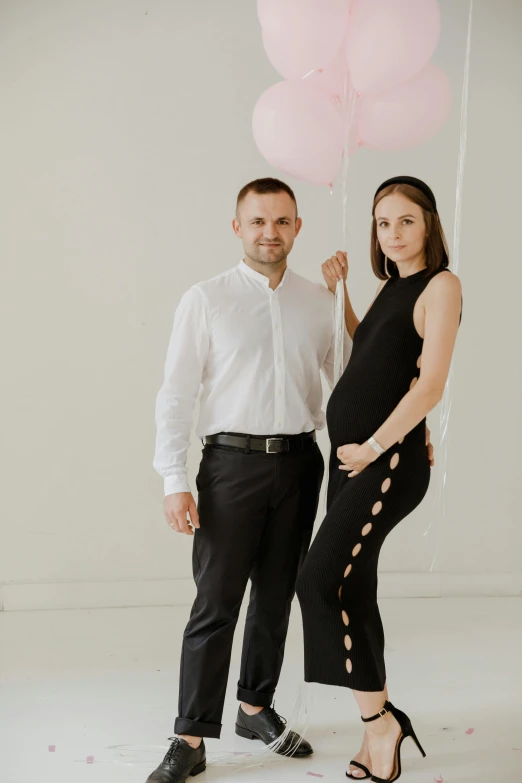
(337, 585)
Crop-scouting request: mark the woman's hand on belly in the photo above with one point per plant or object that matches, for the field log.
(356, 457)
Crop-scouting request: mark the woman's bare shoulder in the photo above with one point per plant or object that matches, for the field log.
(444, 293)
(446, 283)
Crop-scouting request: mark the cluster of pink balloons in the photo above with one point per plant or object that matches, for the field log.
(371, 54)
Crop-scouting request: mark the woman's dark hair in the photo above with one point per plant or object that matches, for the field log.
(265, 185)
(436, 248)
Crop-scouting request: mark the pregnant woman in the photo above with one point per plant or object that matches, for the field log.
(379, 467)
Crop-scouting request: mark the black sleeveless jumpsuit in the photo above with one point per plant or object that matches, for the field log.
(337, 585)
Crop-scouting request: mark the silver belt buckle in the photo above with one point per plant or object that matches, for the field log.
(268, 442)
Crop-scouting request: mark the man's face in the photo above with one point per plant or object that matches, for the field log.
(267, 225)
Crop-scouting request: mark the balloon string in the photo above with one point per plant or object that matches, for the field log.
(447, 397)
(347, 102)
(348, 106)
(462, 150)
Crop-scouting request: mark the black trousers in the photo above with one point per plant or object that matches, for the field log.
(256, 512)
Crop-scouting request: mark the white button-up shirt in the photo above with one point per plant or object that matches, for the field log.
(252, 354)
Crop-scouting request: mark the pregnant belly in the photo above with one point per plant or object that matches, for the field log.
(366, 395)
(355, 412)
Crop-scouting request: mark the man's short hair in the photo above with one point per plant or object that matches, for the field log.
(265, 185)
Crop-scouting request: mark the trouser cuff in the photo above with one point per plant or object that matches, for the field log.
(195, 728)
(255, 698)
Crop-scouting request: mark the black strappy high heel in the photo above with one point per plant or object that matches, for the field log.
(406, 731)
(367, 773)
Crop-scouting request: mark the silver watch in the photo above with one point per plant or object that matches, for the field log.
(376, 446)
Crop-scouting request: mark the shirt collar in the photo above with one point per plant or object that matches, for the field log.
(247, 270)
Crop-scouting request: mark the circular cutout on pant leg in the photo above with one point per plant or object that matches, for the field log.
(419, 361)
(414, 381)
(346, 621)
(340, 592)
(386, 485)
(394, 461)
(366, 529)
(377, 508)
(348, 666)
(348, 569)
(347, 642)
(356, 550)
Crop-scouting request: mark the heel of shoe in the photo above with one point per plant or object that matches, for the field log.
(407, 728)
(199, 769)
(246, 733)
(416, 741)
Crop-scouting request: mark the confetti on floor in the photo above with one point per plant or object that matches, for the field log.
(52, 748)
(90, 760)
(470, 731)
(314, 775)
(439, 780)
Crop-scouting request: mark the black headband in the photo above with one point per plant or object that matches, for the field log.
(414, 182)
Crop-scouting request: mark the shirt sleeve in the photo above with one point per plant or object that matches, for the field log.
(328, 367)
(184, 367)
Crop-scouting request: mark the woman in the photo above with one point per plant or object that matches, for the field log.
(379, 467)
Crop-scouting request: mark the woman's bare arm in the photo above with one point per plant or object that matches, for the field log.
(442, 307)
(350, 319)
(335, 269)
(443, 299)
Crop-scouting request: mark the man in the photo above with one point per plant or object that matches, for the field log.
(251, 343)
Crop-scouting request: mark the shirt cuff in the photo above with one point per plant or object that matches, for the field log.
(174, 484)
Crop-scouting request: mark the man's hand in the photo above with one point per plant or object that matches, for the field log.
(176, 508)
(334, 269)
(429, 444)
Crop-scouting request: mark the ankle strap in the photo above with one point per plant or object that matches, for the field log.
(380, 714)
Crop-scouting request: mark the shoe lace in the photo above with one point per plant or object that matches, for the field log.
(173, 751)
(278, 719)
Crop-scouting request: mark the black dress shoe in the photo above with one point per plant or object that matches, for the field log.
(267, 726)
(181, 761)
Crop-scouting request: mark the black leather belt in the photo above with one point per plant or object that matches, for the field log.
(270, 445)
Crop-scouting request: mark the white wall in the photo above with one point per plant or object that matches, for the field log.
(124, 139)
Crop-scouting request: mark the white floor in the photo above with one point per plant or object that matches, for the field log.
(103, 684)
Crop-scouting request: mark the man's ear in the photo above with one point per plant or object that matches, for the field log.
(298, 225)
(236, 227)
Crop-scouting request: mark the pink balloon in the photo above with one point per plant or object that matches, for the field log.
(332, 78)
(299, 130)
(407, 115)
(389, 42)
(302, 35)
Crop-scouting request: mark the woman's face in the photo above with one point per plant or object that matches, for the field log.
(401, 229)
